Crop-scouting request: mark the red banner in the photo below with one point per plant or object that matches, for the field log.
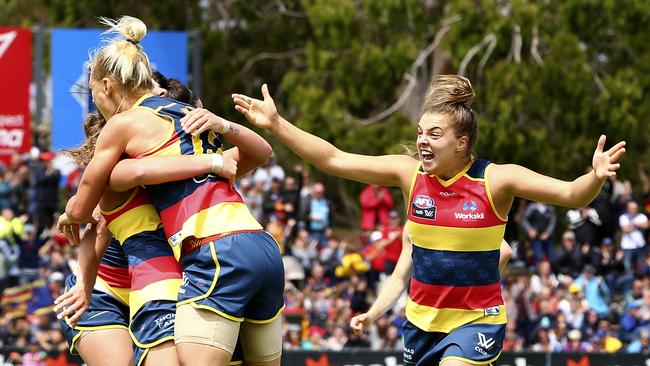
(16, 76)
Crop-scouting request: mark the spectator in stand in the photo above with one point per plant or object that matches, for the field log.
(574, 306)
(254, 199)
(28, 259)
(331, 255)
(356, 340)
(522, 297)
(610, 266)
(586, 225)
(539, 224)
(291, 194)
(632, 321)
(596, 291)
(45, 184)
(5, 188)
(337, 339)
(352, 262)
(266, 173)
(545, 319)
(642, 344)
(317, 212)
(292, 340)
(544, 278)
(568, 258)
(272, 202)
(392, 340)
(575, 343)
(391, 242)
(304, 249)
(544, 342)
(589, 327)
(375, 255)
(632, 224)
(376, 203)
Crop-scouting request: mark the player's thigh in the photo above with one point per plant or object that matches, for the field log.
(106, 347)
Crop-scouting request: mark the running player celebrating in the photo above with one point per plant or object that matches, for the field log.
(456, 214)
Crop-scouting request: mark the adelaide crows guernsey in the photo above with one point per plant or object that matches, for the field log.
(155, 272)
(202, 206)
(456, 235)
(113, 274)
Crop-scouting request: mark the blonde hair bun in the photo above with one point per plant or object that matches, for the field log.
(133, 29)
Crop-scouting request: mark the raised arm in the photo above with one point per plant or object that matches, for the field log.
(110, 146)
(129, 173)
(511, 180)
(391, 291)
(386, 170)
(250, 151)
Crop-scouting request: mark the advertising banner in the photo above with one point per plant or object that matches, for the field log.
(16, 76)
(387, 358)
(70, 52)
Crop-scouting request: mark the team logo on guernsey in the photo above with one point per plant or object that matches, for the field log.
(424, 207)
(469, 214)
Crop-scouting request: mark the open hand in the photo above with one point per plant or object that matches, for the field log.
(261, 113)
(72, 304)
(605, 162)
(199, 119)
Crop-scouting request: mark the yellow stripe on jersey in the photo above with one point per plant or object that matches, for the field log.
(446, 320)
(134, 221)
(159, 290)
(460, 239)
(222, 218)
(489, 194)
(121, 294)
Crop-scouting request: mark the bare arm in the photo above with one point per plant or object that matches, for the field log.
(129, 173)
(110, 146)
(514, 180)
(505, 253)
(250, 151)
(74, 302)
(386, 170)
(392, 290)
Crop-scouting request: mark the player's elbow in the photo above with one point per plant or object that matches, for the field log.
(265, 151)
(77, 213)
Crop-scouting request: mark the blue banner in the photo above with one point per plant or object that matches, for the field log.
(71, 99)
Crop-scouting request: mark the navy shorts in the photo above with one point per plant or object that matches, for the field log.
(104, 312)
(239, 276)
(477, 344)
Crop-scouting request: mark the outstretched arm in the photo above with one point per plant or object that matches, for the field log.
(386, 170)
(393, 289)
(514, 180)
(130, 173)
(250, 151)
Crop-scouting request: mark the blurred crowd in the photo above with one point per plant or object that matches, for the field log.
(579, 279)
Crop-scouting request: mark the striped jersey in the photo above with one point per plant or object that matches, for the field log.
(456, 235)
(155, 272)
(202, 206)
(113, 274)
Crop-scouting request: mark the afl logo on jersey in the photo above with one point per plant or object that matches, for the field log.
(424, 207)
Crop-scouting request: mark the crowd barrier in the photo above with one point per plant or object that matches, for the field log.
(383, 358)
(392, 358)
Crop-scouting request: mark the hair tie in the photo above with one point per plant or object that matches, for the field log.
(132, 41)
